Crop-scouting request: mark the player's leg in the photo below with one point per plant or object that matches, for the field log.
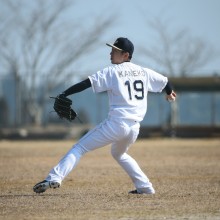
(96, 138)
(119, 149)
(101, 135)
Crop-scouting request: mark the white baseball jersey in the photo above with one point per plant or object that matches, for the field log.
(127, 85)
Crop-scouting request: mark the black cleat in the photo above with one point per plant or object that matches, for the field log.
(44, 185)
(148, 190)
(134, 192)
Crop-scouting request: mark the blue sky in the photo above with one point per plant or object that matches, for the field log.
(200, 17)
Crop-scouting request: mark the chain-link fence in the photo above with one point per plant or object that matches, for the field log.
(22, 105)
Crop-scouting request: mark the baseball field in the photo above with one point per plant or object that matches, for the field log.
(185, 174)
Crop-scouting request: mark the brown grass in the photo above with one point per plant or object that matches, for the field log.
(185, 174)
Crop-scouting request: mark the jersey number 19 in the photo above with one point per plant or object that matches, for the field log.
(138, 87)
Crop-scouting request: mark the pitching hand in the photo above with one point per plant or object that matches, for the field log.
(171, 97)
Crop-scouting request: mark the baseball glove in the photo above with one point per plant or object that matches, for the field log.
(62, 107)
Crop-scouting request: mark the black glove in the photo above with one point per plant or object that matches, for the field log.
(62, 107)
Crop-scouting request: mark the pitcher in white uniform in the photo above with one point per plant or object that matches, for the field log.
(127, 86)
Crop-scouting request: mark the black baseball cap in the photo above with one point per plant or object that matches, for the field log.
(123, 44)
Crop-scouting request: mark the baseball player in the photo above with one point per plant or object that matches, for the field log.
(127, 86)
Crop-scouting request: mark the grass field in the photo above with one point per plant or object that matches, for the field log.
(185, 174)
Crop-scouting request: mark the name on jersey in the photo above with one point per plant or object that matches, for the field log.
(134, 73)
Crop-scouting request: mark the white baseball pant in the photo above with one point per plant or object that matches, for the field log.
(121, 134)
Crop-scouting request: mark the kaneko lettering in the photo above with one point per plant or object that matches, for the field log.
(134, 73)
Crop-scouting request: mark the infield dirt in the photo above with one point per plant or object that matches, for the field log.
(185, 174)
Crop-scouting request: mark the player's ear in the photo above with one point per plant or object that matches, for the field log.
(126, 55)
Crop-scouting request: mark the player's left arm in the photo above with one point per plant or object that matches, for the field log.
(85, 84)
(171, 95)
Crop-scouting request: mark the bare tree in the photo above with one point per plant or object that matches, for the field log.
(177, 53)
(41, 43)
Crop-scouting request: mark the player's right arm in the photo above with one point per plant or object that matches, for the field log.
(158, 82)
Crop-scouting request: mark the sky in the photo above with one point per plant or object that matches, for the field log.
(200, 17)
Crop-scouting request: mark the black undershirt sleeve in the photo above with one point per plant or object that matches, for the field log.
(168, 88)
(78, 87)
